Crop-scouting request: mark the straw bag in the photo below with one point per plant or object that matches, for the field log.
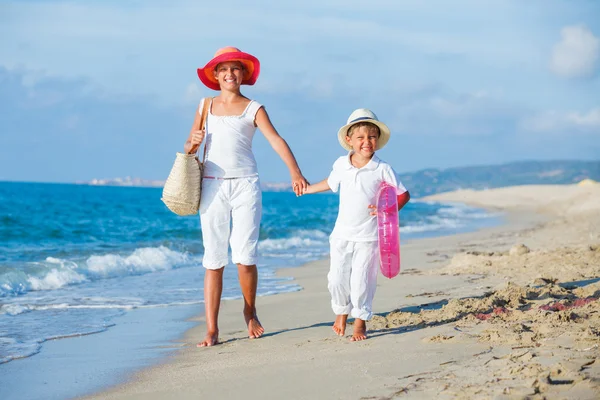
(183, 187)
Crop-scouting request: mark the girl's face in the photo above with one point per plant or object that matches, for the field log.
(229, 74)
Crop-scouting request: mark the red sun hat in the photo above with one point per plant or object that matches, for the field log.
(250, 62)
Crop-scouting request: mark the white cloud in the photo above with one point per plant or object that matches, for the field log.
(465, 105)
(446, 112)
(577, 53)
(71, 122)
(154, 49)
(589, 120)
(192, 93)
(564, 122)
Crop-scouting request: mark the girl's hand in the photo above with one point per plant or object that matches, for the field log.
(373, 209)
(195, 140)
(299, 184)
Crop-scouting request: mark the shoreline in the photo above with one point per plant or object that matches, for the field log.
(420, 344)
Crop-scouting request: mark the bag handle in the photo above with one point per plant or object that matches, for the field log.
(203, 117)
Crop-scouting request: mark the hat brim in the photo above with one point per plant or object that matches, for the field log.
(206, 73)
(384, 133)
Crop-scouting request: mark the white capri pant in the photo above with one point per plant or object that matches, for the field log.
(352, 277)
(230, 213)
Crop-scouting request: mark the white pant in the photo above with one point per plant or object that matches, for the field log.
(230, 213)
(352, 277)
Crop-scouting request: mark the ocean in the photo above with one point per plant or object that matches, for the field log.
(74, 258)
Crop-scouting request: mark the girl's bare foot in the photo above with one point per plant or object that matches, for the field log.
(255, 329)
(339, 326)
(210, 339)
(360, 330)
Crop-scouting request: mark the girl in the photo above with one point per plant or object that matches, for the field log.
(231, 194)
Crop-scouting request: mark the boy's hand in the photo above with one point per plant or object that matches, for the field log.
(316, 188)
(310, 189)
(373, 209)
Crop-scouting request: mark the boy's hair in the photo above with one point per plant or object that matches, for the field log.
(360, 124)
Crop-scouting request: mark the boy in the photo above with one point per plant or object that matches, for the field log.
(354, 247)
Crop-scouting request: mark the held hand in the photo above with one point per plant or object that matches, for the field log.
(299, 184)
(373, 209)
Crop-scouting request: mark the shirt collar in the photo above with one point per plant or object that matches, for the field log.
(371, 165)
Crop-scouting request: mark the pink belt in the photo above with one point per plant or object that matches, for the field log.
(214, 177)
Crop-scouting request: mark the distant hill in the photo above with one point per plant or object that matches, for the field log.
(430, 181)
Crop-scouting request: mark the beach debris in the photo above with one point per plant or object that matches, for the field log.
(412, 271)
(517, 315)
(428, 294)
(542, 281)
(487, 351)
(439, 338)
(495, 311)
(560, 306)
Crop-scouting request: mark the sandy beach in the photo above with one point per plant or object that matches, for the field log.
(506, 312)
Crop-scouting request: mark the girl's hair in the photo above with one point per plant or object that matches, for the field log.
(360, 124)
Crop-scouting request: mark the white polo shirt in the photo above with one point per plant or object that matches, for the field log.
(358, 189)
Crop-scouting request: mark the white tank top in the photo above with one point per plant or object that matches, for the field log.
(229, 143)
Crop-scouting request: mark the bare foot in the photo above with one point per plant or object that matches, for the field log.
(255, 329)
(339, 326)
(210, 339)
(360, 330)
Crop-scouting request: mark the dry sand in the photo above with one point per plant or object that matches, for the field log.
(507, 312)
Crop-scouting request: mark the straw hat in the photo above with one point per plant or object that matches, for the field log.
(251, 63)
(364, 115)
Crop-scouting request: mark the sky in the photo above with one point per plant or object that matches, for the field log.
(105, 89)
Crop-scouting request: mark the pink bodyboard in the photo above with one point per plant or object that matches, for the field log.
(388, 229)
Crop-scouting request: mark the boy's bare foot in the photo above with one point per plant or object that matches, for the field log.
(360, 330)
(210, 339)
(339, 326)
(255, 329)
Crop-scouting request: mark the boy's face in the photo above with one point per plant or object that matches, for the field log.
(363, 140)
